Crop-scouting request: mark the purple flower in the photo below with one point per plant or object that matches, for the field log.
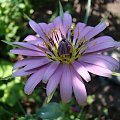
(63, 54)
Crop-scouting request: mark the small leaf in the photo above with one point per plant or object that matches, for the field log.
(61, 10)
(50, 111)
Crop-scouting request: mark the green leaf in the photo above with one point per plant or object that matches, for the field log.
(50, 111)
(61, 10)
(10, 43)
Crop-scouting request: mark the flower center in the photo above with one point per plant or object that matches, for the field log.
(64, 47)
(65, 51)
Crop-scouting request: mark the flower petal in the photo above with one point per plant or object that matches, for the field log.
(59, 25)
(26, 45)
(84, 32)
(79, 88)
(99, 40)
(82, 71)
(49, 71)
(37, 63)
(54, 81)
(37, 29)
(97, 69)
(25, 61)
(34, 80)
(27, 52)
(109, 59)
(67, 22)
(102, 47)
(66, 84)
(54, 33)
(96, 30)
(93, 59)
(21, 72)
(78, 30)
(44, 27)
(39, 44)
(32, 38)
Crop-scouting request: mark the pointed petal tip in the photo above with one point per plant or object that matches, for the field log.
(79, 89)
(118, 44)
(106, 23)
(28, 90)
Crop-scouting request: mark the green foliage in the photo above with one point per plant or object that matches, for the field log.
(11, 20)
(5, 68)
(11, 15)
(61, 10)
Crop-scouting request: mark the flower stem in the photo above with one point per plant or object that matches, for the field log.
(6, 111)
(21, 107)
(81, 111)
(19, 104)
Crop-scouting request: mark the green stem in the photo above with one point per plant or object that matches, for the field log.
(9, 112)
(81, 111)
(19, 104)
(21, 107)
(87, 11)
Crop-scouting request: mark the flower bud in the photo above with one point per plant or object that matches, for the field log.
(64, 47)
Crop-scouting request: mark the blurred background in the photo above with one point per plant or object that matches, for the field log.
(103, 93)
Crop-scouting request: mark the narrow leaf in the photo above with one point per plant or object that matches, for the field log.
(88, 8)
(9, 43)
(26, 16)
(61, 10)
